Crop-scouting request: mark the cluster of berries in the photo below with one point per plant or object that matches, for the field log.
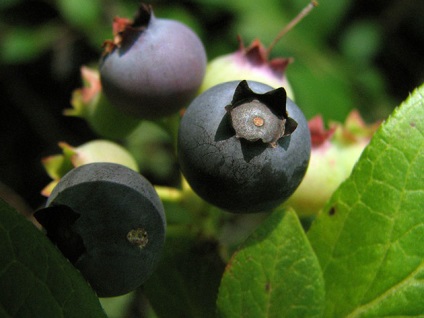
(243, 146)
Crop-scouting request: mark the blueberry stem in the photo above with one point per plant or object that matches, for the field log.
(171, 124)
(292, 24)
(169, 194)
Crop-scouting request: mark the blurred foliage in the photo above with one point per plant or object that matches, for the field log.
(347, 54)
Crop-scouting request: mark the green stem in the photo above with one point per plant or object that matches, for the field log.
(169, 194)
(171, 125)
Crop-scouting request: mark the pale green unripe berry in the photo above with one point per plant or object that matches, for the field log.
(249, 63)
(333, 156)
(99, 150)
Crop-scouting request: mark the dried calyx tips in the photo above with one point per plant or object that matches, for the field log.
(124, 30)
(260, 116)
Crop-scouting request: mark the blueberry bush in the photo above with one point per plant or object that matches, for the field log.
(159, 160)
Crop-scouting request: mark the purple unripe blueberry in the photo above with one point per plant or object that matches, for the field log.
(109, 222)
(244, 146)
(154, 67)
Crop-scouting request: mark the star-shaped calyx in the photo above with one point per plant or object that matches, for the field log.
(260, 116)
(124, 30)
(248, 63)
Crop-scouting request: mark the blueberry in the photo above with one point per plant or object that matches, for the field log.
(244, 146)
(154, 67)
(109, 222)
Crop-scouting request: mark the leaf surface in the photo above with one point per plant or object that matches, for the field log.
(35, 279)
(274, 274)
(370, 236)
(22, 44)
(185, 284)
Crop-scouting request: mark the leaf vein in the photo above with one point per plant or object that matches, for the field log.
(363, 308)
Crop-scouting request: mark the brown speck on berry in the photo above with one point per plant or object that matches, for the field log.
(138, 237)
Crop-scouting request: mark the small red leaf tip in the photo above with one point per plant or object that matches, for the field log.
(119, 25)
(256, 54)
(319, 134)
(92, 85)
(123, 27)
(355, 127)
(279, 64)
(353, 130)
(355, 121)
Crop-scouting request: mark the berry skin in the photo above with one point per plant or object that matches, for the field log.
(237, 158)
(109, 222)
(153, 68)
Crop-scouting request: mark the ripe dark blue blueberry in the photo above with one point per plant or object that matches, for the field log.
(109, 222)
(244, 146)
(153, 67)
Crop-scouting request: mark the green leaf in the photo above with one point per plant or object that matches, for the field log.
(117, 307)
(186, 282)
(322, 21)
(22, 44)
(362, 41)
(274, 274)
(316, 72)
(81, 13)
(35, 279)
(370, 236)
